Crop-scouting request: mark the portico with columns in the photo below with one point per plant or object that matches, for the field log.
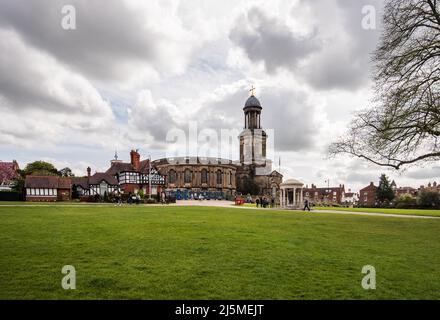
(291, 194)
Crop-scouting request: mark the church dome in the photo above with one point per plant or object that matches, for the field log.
(292, 182)
(252, 102)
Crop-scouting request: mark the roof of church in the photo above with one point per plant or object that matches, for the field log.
(194, 160)
(252, 102)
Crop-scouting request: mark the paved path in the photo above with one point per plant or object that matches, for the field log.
(388, 215)
(230, 204)
(227, 204)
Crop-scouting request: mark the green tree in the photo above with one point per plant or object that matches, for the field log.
(40, 168)
(75, 192)
(18, 185)
(384, 193)
(406, 201)
(402, 125)
(66, 173)
(429, 199)
(106, 197)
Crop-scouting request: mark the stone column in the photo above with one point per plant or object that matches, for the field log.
(294, 197)
(281, 198)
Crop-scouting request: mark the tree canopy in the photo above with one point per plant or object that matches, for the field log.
(384, 193)
(402, 127)
(66, 172)
(40, 168)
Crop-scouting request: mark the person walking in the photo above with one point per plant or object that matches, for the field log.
(257, 202)
(272, 203)
(306, 205)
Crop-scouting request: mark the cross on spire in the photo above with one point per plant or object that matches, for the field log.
(252, 90)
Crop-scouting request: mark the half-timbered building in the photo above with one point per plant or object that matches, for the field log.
(121, 177)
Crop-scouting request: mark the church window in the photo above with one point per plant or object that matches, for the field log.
(219, 177)
(172, 176)
(188, 176)
(204, 176)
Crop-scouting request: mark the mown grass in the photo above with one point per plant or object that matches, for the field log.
(213, 253)
(414, 212)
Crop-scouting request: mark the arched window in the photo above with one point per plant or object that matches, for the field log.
(204, 176)
(172, 176)
(188, 176)
(219, 177)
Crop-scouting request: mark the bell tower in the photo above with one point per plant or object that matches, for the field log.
(253, 139)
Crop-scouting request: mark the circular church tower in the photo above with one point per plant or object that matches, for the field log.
(253, 138)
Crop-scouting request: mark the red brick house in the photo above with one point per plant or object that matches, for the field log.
(433, 187)
(405, 190)
(8, 173)
(48, 188)
(367, 196)
(324, 195)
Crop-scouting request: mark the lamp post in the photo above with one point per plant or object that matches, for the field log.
(149, 176)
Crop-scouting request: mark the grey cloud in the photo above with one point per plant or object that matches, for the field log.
(424, 173)
(293, 119)
(109, 35)
(347, 66)
(285, 111)
(341, 60)
(150, 117)
(30, 80)
(268, 40)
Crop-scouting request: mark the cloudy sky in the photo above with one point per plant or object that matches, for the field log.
(133, 71)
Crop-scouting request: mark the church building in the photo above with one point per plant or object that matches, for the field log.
(213, 178)
(183, 178)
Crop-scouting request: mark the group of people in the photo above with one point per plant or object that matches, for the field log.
(265, 203)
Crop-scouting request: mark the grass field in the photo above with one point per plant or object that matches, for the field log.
(214, 253)
(413, 212)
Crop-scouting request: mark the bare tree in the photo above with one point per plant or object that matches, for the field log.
(403, 125)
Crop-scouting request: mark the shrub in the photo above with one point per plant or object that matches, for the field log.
(429, 200)
(406, 201)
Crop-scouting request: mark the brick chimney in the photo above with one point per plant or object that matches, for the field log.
(135, 159)
(15, 165)
(89, 172)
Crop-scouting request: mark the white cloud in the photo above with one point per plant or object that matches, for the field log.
(42, 100)
(133, 70)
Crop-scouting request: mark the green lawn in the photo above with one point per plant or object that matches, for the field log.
(414, 212)
(214, 253)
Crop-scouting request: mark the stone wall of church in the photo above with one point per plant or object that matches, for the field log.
(199, 177)
(248, 182)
